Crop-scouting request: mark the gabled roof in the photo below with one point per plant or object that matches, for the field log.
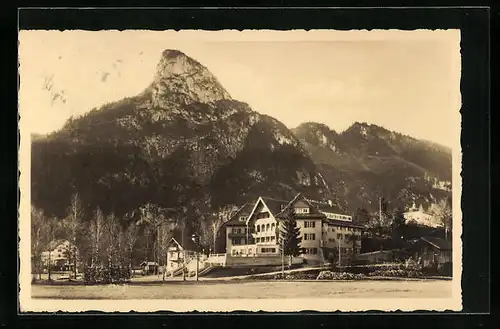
(149, 263)
(185, 243)
(274, 205)
(246, 209)
(174, 242)
(438, 243)
(56, 243)
(315, 213)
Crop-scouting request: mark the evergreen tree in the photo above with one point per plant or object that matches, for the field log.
(290, 236)
(361, 217)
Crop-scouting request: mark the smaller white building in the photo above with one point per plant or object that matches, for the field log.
(58, 254)
(179, 256)
(420, 217)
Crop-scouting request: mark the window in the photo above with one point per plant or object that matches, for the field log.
(302, 210)
(268, 238)
(273, 238)
(268, 227)
(264, 214)
(339, 236)
(243, 218)
(311, 251)
(309, 236)
(273, 226)
(309, 224)
(258, 228)
(267, 250)
(257, 240)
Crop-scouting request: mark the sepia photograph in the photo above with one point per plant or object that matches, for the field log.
(240, 170)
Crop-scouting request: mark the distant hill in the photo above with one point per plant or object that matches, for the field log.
(367, 161)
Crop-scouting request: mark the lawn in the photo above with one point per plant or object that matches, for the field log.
(251, 290)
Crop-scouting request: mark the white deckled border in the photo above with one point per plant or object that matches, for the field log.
(28, 304)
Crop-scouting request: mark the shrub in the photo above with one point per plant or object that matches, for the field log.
(404, 273)
(105, 275)
(329, 275)
(368, 269)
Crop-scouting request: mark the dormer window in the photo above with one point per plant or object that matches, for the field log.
(302, 210)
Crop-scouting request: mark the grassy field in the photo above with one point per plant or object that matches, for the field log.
(251, 290)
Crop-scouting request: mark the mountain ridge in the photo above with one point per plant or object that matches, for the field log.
(363, 157)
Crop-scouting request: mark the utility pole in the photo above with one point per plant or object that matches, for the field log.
(183, 257)
(339, 253)
(157, 267)
(197, 264)
(195, 240)
(215, 235)
(282, 258)
(380, 209)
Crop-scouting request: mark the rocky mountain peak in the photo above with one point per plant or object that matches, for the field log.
(317, 134)
(315, 126)
(179, 79)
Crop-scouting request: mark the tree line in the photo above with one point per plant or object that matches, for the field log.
(105, 247)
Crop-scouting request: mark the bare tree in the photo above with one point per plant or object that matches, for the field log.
(96, 232)
(211, 225)
(112, 237)
(154, 217)
(51, 228)
(130, 240)
(443, 213)
(38, 239)
(74, 230)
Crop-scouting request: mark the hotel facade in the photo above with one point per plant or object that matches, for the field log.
(326, 234)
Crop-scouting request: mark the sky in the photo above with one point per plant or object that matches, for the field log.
(406, 81)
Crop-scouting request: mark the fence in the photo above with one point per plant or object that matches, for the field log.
(216, 259)
(261, 260)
